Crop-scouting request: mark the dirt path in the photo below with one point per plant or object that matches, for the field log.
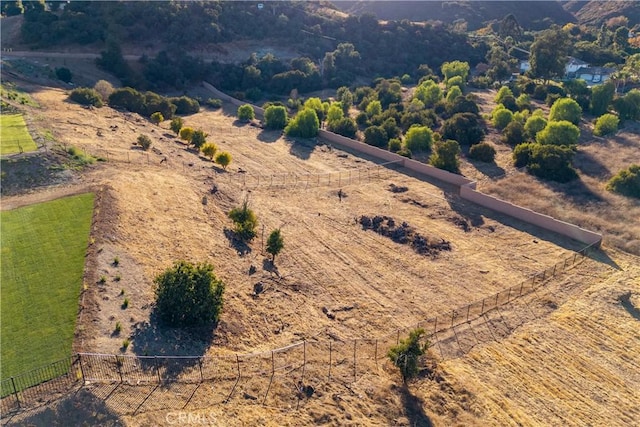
(42, 195)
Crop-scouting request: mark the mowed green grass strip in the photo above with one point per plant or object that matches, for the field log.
(14, 134)
(43, 253)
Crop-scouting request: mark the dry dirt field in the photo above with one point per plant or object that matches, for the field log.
(575, 365)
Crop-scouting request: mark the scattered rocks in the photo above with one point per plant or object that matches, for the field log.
(328, 313)
(461, 223)
(252, 269)
(397, 189)
(404, 234)
(258, 288)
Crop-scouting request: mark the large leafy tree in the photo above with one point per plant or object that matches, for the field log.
(188, 295)
(445, 156)
(565, 109)
(559, 133)
(549, 53)
(275, 117)
(305, 124)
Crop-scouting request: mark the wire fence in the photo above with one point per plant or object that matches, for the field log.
(284, 376)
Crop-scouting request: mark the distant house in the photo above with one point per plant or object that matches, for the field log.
(578, 69)
(594, 75)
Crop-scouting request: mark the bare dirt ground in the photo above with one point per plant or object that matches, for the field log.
(149, 214)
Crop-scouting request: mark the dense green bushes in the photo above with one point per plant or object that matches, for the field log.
(86, 96)
(626, 182)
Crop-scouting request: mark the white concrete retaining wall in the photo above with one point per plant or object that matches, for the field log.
(466, 186)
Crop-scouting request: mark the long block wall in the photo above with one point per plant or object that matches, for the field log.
(466, 187)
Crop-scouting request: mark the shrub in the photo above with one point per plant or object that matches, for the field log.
(395, 145)
(405, 355)
(504, 91)
(157, 118)
(551, 162)
(185, 105)
(418, 138)
(606, 124)
(523, 102)
(521, 154)
(245, 222)
(275, 117)
(125, 304)
(501, 117)
(445, 155)
(510, 103)
(209, 149)
(246, 113)
(513, 134)
(144, 141)
(376, 136)
(223, 158)
(188, 295)
(534, 124)
(176, 125)
(565, 109)
(628, 106)
(345, 127)
(86, 96)
(483, 152)
(559, 133)
(214, 103)
(186, 134)
(64, 74)
(118, 328)
(275, 243)
(104, 88)
(626, 182)
(463, 127)
(125, 344)
(305, 124)
(453, 93)
(199, 138)
(601, 97)
(455, 81)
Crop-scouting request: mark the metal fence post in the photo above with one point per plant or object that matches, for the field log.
(482, 309)
(81, 368)
(200, 366)
(15, 391)
(304, 359)
(355, 376)
(155, 362)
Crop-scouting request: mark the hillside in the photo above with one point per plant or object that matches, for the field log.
(151, 212)
(598, 12)
(530, 14)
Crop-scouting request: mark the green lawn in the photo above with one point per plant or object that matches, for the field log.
(14, 134)
(43, 252)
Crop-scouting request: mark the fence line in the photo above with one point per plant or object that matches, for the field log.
(279, 376)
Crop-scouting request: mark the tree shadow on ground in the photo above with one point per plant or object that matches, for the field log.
(492, 170)
(302, 148)
(238, 244)
(268, 265)
(576, 192)
(81, 408)
(414, 408)
(589, 165)
(269, 135)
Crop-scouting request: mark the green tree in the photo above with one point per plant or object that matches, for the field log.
(157, 118)
(559, 133)
(275, 117)
(199, 138)
(176, 125)
(501, 117)
(626, 182)
(246, 113)
(445, 155)
(455, 81)
(64, 74)
(346, 126)
(565, 109)
(464, 128)
(86, 96)
(144, 141)
(429, 93)
(483, 152)
(455, 68)
(334, 113)
(186, 134)
(275, 243)
(374, 108)
(628, 106)
(305, 124)
(533, 125)
(418, 138)
(601, 97)
(188, 295)
(406, 355)
(376, 136)
(245, 221)
(606, 124)
(504, 91)
(209, 149)
(223, 158)
(549, 53)
(514, 133)
(316, 105)
(453, 93)
(551, 162)
(345, 97)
